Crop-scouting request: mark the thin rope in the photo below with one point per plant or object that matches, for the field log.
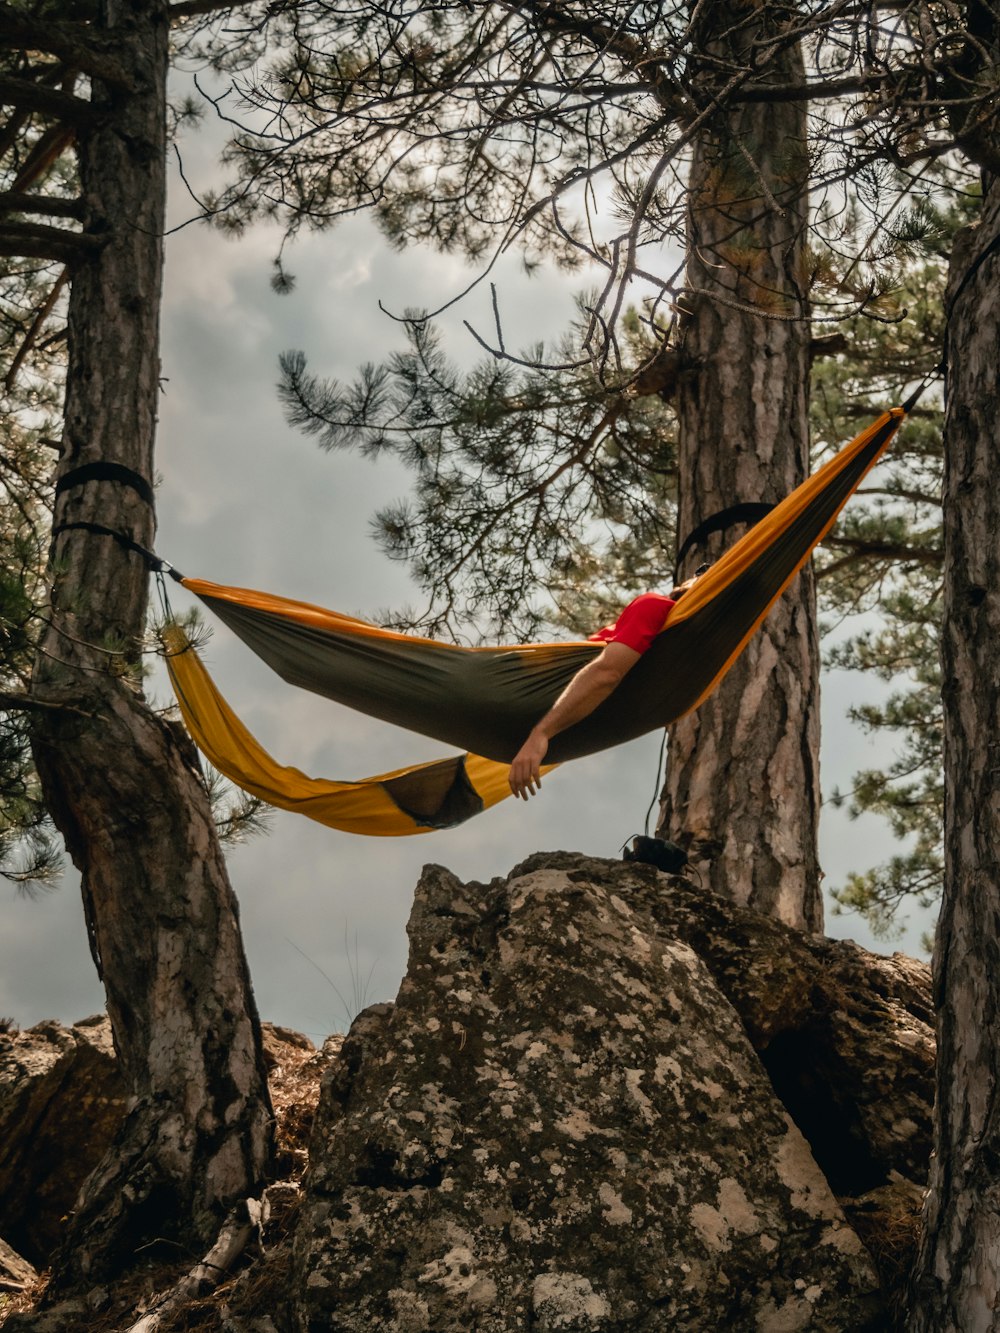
(918, 392)
(659, 781)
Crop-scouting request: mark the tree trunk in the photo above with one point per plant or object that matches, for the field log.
(957, 1282)
(742, 788)
(122, 784)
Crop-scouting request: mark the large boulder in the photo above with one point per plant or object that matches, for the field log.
(566, 1121)
(61, 1101)
(847, 1036)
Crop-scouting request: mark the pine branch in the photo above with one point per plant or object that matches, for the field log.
(650, 67)
(858, 550)
(67, 41)
(191, 8)
(28, 95)
(31, 240)
(17, 702)
(816, 90)
(46, 152)
(828, 344)
(13, 201)
(37, 324)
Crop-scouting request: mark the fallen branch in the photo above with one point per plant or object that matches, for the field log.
(206, 1275)
(16, 1274)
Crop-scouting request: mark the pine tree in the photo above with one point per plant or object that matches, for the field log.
(530, 483)
(478, 129)
(84, 150)
(886, 558)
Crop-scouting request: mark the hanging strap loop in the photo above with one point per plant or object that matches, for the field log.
(152, 561)
(104, 471)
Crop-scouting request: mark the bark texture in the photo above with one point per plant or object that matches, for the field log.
(742, 788)
(121, 784)
(957, 1285)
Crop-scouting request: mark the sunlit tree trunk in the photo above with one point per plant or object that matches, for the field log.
(742, 788)
(957, 1284)
(121, 783)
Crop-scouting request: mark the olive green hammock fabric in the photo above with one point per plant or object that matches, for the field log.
(486, 700)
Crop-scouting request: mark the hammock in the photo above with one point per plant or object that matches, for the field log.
(486, 700)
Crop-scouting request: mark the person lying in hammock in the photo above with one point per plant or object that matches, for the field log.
(624, 643)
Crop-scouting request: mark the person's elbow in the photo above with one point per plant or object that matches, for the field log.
(614, 664)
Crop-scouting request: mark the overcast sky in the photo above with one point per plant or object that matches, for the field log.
(243, 499)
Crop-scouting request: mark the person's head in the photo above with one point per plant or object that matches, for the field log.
(681, 588)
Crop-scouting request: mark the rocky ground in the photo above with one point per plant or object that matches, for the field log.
(603, 1100)
(258, 1283)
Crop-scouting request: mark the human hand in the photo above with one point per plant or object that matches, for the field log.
(525, 776)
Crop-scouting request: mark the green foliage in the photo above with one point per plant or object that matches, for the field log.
(238, 815)
(32, 307)
(29, 856)
(530, 486)
(547, 495)
(884, 564)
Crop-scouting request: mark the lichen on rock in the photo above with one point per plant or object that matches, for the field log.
(562, 1124)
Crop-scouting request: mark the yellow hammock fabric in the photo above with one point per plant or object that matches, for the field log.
(485, 700)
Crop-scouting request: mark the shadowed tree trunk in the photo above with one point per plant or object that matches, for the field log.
(122, 784)
(742, 788)
(957, 1285)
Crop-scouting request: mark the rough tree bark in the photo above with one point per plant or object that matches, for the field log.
(121, 783)
(742, 787)
(957, 1281)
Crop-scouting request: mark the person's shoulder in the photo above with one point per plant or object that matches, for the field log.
(653, 599)
(642, 620)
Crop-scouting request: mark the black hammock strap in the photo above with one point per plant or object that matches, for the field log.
(152, 561)
(104, 471)
(750, 512)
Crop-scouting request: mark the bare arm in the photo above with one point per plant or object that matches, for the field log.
(589, 687)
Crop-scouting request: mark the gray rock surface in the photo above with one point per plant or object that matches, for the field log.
(847, 1036)
(562, 1124)
(61, 1101)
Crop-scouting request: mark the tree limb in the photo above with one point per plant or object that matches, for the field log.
(191, 8)
(827, 344)
(647, 65)
(29, 703)
(67, 41)
(37, 324)
(32, 240)
(45, 153)
(814, 91)
(863, 550)
(13, 201)
(27, 95)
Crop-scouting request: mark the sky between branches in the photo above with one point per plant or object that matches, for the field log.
(246, 500)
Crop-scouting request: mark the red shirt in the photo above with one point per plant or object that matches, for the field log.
(640, 622)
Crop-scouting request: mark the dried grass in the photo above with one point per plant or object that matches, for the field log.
(887, 1221)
